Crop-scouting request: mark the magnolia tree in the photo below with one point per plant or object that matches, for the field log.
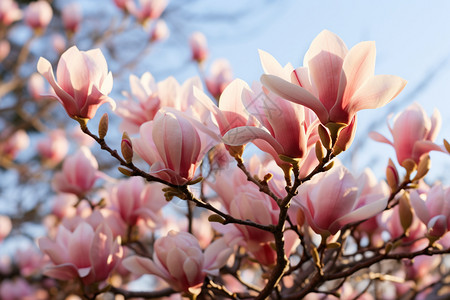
(180, 208)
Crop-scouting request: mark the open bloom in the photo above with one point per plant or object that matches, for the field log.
(83, 81)
(288, 129)
(413, 133)
(331, 200)
(172, 146)
(86, 253)
(433, 209)
(336, 82)
(179, 260)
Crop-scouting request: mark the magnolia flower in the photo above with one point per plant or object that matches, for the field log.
(147, 97)
(9, 12)
(179, 260)
(83, 81)
(54, 147)
(336, 82)
(413, 133)
(220, 75)
(12, 143)
(85, 253)
(159, 31)
(134, 199)
(288, 129)
(5, 227)
(38, 14)
(433, 209)
(148, 9)
(71, 17)
(172, 146)
(199, 46)
(331, 200)
(79, 173)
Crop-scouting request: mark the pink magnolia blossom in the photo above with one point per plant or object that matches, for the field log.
(199, 46)
(159, 31)
(12, 143)
(5, 48)
(147, 97)
(336, 82)
(38, 15)
(9, 12)
(15, 289)
(179, 260)
(85, 253)
(54, 147)
(78, 175)
(433, 209)
(29, 260)
(413, 133)
(288, 129)
(220, 75)
(71, 17)
(172, 146)
(331, 200)
(147, 10)
(36, 86)
(134, 199)
(83, 81)
(5, 227)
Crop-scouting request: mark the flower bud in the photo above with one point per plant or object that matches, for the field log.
(216, 218)
(447, 146)
(405, 212)
(423, 167)
(127, 148)
(324, 136)
(103, 126)
(409, 165)
(319, 151)
(392, 177)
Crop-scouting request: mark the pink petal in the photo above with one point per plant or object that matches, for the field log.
(379, 138)
(245, 134)
(376, 92)
(296, 94)
(359, 65)
(272, 66)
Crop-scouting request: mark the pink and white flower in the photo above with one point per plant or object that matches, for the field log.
(336, 82)
(199, 47)
(71, 17)
(433, 209)
(331, 200)
(79, 173)
(9, 12)
(85, 253)
(179, 260)
(54, 147)
(220, 75)
(83, 81)
(172, 146)
(38, 15)
(413, 133)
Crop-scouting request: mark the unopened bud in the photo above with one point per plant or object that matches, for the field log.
(405, 212)
(329, 166)
(333, 245)
(388, 248)
(216, 218)
(392, 177)
(319, 151)
(195, 181)
(335, 129)
(409, 165)
(291, 160)
(423, 167)
(127, 148)
(447, 146)
(324, 136)
(103, 126)
(124, 171)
